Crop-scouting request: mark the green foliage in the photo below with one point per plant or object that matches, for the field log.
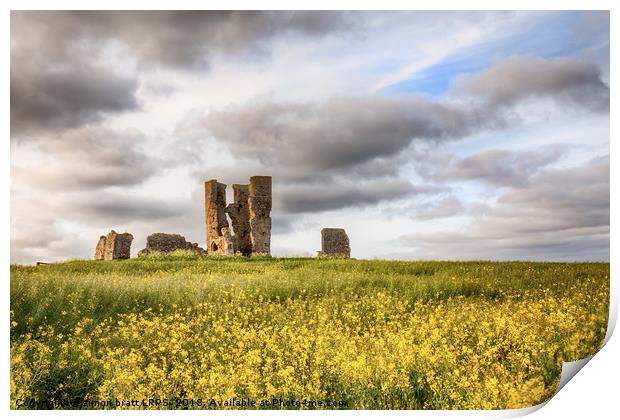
(516, 320)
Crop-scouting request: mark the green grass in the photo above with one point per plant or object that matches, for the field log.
(59, 297)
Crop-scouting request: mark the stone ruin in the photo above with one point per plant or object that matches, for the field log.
(249, 215)
(114, 246)
(250, 233)
(334, 243)
(166, 243)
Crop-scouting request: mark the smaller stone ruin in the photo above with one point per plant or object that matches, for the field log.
(334, 243)
(165, 243)
(114, 246)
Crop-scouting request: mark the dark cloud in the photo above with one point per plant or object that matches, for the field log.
(338, 133)
(333, 196)
(124, 208)
(64, 71)
(282, 224)
(58, 80)
(343, 152)
(178, 38)
(570, 80)
(189, 39)
(61, 97)
(88, 158)
(497, 167)
(561, 214)
(562, 199)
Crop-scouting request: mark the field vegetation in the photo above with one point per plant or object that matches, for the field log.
(374, 334)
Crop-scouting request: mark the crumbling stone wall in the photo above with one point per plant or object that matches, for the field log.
(239, 213)
(334, 243)
(259, 201)
(114, 246)
(100, 250)
(215, 204)
(166, 243)
(250, 215)
(225, 243)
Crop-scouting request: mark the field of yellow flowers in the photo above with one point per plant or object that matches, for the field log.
(204, 332)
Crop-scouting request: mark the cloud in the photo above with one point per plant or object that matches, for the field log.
(569, 80)
(48, 97)
(36, 230)
(79, 78)
(70, 68)
(333, 196)
(189, 39)
(87, 158)
(561, 199)
(560, 214)
(282, 225)
(346, 133)
(55, 245)
(349, 132)
(338, 133)
(71, 223)
(344, 152)
(497, 167)
(177, 38)
(359, 138)
(445, 207)
(58, 78)
(123, 208)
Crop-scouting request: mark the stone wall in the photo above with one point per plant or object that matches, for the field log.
(224, 243)
(334, 243)
(259, 200)
(239, 213)
(100, 250)
(215, 204)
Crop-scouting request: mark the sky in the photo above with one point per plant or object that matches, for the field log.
(426, 135)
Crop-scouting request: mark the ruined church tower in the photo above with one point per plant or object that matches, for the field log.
(250, 216)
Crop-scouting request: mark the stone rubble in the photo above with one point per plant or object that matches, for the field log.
(166, 243)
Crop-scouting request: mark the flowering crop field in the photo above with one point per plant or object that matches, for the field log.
(184, 331)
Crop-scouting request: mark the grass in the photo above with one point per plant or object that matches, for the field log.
(374, 334)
